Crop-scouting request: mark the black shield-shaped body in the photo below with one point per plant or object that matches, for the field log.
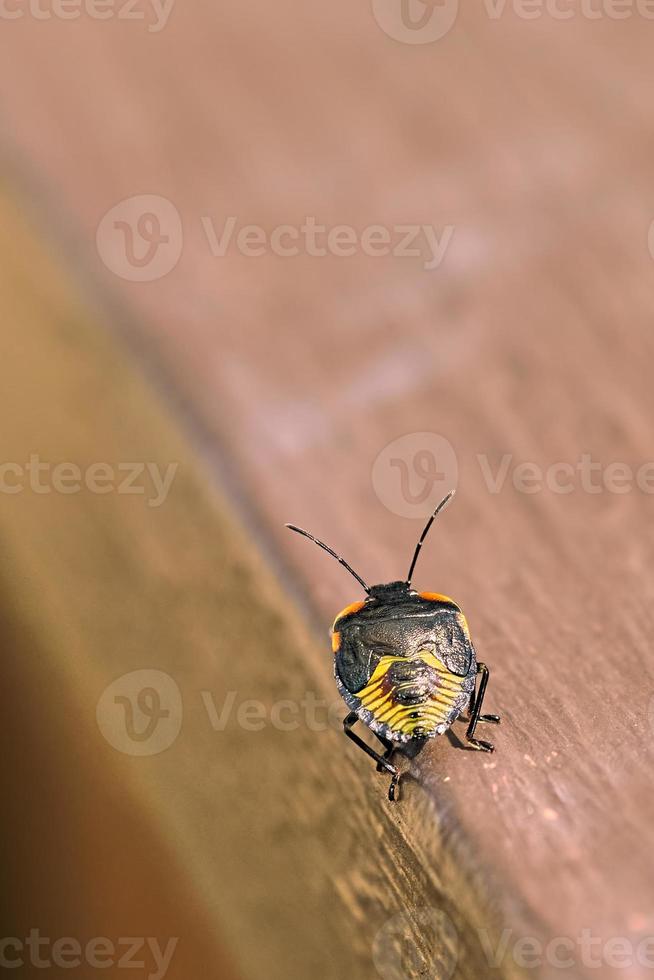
(404, 662)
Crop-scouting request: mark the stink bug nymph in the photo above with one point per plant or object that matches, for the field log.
(405, 665)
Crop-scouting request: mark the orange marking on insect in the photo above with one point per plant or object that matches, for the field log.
(336, 642)
(436, 597)
(349, 610)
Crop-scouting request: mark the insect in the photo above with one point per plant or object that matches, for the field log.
(405, 665)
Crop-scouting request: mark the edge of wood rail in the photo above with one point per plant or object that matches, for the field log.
(273, 834)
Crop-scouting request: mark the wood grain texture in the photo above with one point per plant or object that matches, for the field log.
(532, 339)
(275, 852)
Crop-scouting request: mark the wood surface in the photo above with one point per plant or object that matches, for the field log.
(290, 376)
(265, 850)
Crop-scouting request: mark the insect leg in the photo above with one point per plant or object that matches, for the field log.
(475, 712)
(387, 754)
(389, 749)
(382, 763)
(493, 719)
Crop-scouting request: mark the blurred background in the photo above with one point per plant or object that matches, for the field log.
(321, 263)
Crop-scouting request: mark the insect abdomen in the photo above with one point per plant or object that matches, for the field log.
(409, 698)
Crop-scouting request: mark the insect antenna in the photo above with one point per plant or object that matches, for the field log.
(424, 534)
(329, 551)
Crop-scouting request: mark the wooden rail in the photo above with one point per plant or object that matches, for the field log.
(273, 846)
(276, 385)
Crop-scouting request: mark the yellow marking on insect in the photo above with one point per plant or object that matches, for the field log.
(405, 719)
(378, 675)
(396, 710)
(377, 706)
(449, 688)
(408, 718)
(371, 692)
(336, 642)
